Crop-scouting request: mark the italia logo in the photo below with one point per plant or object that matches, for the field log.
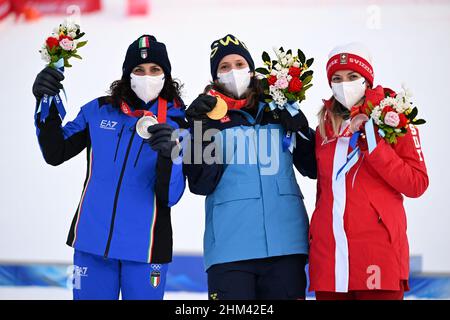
(155, 278)
(144, 54)
(144, 43)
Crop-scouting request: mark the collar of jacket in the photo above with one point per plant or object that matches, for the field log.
(249, 117)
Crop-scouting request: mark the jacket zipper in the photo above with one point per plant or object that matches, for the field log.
(116, 197)
(118, 142)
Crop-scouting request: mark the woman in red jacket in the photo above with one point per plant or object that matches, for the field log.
(358, 242)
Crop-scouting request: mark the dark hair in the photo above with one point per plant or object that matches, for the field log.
(253, 94)
(121, 90)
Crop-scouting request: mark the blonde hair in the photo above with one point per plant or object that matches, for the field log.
(334, 116)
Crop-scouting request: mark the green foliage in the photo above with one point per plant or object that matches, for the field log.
(263, 71)
(301, 56)
(306, 76)
(266, 57)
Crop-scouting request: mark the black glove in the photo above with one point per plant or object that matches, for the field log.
(48, 81)
(160, 139)
(294, 124)
(200, 107)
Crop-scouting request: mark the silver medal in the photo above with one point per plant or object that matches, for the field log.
(143, 124)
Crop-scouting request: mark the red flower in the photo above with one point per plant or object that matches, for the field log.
(386, 110)
(295, 85)
(295, 72)
(403, 121)
(52, 42)
(272, 80)
(65, 37)
(389, 92)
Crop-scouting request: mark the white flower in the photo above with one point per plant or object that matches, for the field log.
(389, 101)
(277, 52)
(72, 34)
(296, 64)
(278, 67)
(376, 115)
(44, 55)
(291, 61)
(407, 93)
(277, 96)
(69, 24)
(284, 61)
(402, 107)
(283, 73)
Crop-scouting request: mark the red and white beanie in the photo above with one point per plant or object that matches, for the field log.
(353, 56)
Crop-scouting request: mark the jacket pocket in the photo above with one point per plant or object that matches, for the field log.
(239, 191)
(382, 223)
(237, 217)
(288, 186)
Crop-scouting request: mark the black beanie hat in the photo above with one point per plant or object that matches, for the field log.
(145, 50)
(225, 46)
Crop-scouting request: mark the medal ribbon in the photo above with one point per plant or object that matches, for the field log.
(232, 104)
(353, 157)
(288, 139)
(46, 101)
(161, 116)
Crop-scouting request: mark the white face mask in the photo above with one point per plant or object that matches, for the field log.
(235, 81)
(350, 92)
(147, 88)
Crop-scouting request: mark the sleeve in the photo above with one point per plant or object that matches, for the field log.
(318, 143)
(203, 176)
(402, 166)
(170, 179)
(304, 154)
(59, 144)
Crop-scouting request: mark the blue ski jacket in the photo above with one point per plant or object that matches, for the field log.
(124, 210)
(254, 206)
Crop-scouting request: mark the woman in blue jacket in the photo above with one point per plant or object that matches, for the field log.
(255, 241)
(121, 231)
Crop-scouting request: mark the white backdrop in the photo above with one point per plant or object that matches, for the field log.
(409, 43)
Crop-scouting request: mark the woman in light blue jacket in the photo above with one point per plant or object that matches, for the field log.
(255, 241)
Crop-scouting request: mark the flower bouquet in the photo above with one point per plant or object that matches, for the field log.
(56, 52)
(391, 112)
(286, 79)
(385, 113)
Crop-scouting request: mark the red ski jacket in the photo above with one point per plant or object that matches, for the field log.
(358, 235)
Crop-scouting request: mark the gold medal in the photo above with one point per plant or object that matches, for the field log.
(219, 111)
